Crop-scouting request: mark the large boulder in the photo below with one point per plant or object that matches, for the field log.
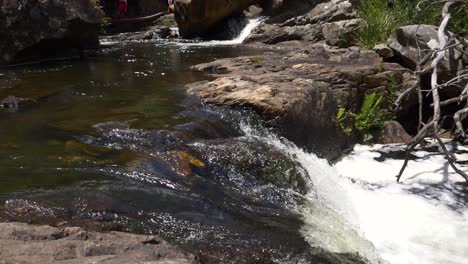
(299, 92)
(198, 18)
(47, 27)
(309, 22)
(342, 33)
(411, 43)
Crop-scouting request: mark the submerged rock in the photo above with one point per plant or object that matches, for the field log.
(37, 29)
(23, 243)
(15, 104)
(245, 162)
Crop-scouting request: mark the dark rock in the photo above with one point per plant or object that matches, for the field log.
(252, 159)
(341, 33)
(162, 32)
(230, 28)
(23, 243)
(383, 50)
(411, 43)
(30, 29)
(141, 36)
(197, 18)
(15, 104)
(393, 132)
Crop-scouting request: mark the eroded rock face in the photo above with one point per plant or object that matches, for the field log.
(46, 27)
(299, 92)
(23, 243)
(197, 18)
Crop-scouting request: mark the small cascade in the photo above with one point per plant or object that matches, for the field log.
(251, 25)
(357, 206)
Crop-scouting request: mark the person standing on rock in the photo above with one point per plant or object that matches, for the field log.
(123, 9)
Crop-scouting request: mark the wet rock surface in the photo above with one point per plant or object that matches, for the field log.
(38, 29)
(23, 243)
(300, 91)
(307, 23)
(15, 104)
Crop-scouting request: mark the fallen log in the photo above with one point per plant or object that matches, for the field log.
(138, 19)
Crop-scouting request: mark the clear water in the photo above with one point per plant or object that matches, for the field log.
(114, 143)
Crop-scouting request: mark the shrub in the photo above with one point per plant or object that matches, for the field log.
(381, 20)
(367, 123)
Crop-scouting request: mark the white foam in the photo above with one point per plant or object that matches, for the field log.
(251, 25)
(360, 201)
(407, 227)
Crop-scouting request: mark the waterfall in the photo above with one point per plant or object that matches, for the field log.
(251, 25)
(356, 205)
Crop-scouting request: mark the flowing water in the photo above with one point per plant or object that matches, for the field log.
(114, 143)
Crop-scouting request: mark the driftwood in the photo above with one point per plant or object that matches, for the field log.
(432, 128)
(138, 19)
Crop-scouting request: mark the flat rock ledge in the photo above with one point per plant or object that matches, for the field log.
(299, 92)
(24, 243)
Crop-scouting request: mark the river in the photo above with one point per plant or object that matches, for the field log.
(113, 142)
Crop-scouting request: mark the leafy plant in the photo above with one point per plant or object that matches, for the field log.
(105, 21)
(257, 59)
(392, 87)
(341, 119)
(367, 123)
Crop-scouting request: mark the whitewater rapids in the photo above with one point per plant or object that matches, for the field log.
(362, 208)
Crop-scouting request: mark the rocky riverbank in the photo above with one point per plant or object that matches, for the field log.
(317, 68)
(298, 91)
(23, 243)
(32, 30)
(313, 68)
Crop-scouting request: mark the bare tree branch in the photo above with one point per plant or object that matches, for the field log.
(444, 51)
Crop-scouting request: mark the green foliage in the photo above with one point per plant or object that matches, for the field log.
(257, 59)
(392, 87)
(459, 22)
(381, 20)
(104, 22)
(367, 123)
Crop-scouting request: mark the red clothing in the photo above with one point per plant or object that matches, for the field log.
(123, 7)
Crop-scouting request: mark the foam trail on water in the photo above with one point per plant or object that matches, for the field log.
(423, 220)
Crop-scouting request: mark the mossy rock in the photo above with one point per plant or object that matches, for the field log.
(253, 160)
